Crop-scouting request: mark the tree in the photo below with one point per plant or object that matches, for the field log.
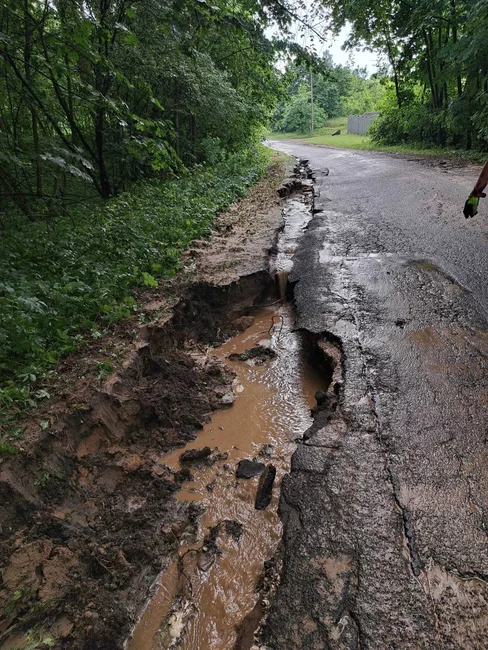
(298, 113)
(95, 94)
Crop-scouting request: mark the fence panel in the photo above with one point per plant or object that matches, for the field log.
(359, 124)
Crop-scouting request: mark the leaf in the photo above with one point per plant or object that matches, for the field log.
(44, 424)
(131, 39)
(149, 280)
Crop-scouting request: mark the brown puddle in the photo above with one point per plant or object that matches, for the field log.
(204, 596)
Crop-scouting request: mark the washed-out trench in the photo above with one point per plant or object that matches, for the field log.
(214, 593)
(98, 510)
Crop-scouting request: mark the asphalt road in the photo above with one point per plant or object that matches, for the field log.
(386, 508)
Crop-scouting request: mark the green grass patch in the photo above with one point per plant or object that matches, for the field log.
(64, 278)
(345, 140)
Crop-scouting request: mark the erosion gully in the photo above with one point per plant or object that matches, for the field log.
(208, 598)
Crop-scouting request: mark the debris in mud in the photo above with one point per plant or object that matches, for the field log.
(265, 488)
(259, 353)
(248, 631)
(207, 558)
(227, 399)
(194, 455)
(249, 469)
(234, 529)
(266, 450)
(173, 627)
(183, 475)
(210, 549)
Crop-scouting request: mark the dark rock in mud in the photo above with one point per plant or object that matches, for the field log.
(234, 529)
(265, 488)
(193, 455)
(249, 469)
(236, 356)
(183, 475)
(260, 353)
(243, 323)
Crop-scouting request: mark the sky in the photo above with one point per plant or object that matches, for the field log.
(356, 58)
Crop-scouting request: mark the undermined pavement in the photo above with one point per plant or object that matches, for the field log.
(386, 507)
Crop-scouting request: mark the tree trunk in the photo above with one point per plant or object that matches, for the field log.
(395, 72)
(28, 77)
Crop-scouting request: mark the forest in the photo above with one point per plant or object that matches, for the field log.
(127, 125)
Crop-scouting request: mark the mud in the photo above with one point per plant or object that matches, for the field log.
(214, 584)
(88, 510)
(92, 509)
(80, 509)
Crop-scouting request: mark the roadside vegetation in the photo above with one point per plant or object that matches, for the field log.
(67, 280)
(346, 140)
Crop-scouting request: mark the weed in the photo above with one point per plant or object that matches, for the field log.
(105, 369)
(42, 479)
(8, 437)
(38, 639)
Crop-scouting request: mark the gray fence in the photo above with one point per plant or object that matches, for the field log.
(359, 124)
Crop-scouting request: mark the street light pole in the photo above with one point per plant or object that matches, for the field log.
(311, 95)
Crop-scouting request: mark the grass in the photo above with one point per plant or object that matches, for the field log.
(345, 140)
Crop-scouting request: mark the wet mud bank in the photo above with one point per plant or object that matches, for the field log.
(94, 509)
(89, 513)
(211, 593)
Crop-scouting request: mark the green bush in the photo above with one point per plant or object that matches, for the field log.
(67, 276)
(412, 123)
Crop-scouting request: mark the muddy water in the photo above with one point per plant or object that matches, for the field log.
(296, 215)
(271, 409)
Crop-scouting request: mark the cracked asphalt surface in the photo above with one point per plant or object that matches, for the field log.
(386, 507)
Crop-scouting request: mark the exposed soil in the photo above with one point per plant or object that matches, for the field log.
(88, 514)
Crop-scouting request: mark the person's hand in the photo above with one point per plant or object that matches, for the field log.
(471, 205)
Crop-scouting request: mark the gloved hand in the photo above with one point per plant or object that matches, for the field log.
(471, 205)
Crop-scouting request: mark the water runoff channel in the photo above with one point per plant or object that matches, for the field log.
(209, 589)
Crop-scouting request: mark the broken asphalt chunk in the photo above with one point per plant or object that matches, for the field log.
(249, 468)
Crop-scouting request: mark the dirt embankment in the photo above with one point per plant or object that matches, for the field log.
(87, 509)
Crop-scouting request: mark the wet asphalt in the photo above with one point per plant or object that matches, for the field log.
(386, 509)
